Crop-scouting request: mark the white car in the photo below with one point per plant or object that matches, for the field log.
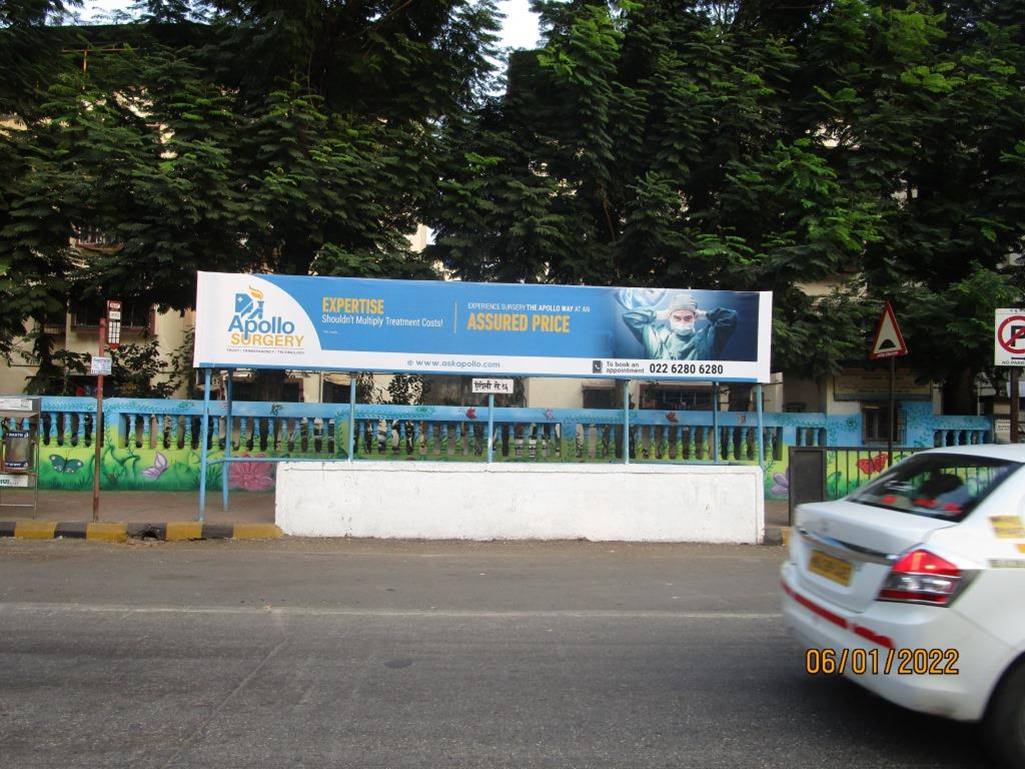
(914, 586)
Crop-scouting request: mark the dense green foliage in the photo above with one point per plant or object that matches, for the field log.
(272, 135)
(869, 146)
(876, 149)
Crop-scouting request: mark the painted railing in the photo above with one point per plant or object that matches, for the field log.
(848, 467)
(155, 444)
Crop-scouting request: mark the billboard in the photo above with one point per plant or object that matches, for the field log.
(480, 329)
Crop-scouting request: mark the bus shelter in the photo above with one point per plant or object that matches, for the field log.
(486, 331)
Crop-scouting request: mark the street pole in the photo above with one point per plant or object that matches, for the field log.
(352, 413)
(715, 423)
(626, 421)
(1015, 403)
(893, 412)
(98, 426)
(491, 426)
(204, 440)
(228, 432)
(761, 424)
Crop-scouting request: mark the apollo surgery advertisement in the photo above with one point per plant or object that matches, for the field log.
(451, 327)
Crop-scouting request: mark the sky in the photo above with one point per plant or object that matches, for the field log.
(519, 30)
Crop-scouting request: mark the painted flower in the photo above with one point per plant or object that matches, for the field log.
(252, 476)
(780, 485)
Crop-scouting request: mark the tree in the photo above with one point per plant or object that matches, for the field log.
(760, 145)
(29, 50)
(280, 136)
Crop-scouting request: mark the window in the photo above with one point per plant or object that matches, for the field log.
(134, 315)
(54, 324)
(598, 397)
(669, 398)
(875, 423)
(940, 485)
(334, 393)
(291, 390)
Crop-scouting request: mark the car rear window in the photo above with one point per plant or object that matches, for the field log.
(947, 486)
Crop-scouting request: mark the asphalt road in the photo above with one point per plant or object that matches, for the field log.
(365, 654)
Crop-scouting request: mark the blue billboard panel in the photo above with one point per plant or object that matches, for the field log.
(451, 327)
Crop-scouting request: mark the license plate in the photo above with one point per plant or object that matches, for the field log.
(836, 569)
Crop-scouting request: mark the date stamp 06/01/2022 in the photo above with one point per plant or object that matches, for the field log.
(902, 662)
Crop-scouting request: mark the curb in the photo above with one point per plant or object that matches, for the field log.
(777, 535)
(121, 532)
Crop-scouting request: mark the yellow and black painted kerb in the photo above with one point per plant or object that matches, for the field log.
(120, 532)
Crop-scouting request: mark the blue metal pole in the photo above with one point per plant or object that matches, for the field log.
(352, 413)
(228, 432)
(491, 426)
(715, 422)
(761, 425)
(204, 436)
(626, 421)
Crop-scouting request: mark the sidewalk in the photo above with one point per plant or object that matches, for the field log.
(148, 506)
(142, 506)
(163, 507)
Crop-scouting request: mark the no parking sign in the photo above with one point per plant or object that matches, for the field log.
(1009, 341)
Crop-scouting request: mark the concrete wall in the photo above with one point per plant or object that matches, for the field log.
(439, 500)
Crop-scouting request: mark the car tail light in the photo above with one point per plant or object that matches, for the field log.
(919, 576)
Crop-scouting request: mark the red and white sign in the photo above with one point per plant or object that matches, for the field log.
(887, 342)
(113, 324)
(1009, 342)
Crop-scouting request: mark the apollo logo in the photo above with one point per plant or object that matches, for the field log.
(250, 328)
(249, 305)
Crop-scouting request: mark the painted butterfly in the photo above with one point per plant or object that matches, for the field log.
(157, 468)
(65, 465)
(870, 465)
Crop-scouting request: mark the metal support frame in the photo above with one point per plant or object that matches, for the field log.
(761, 424)
(491, 426)
(228, 433)
(626, 421)
(715, 422)
(204, 439)
(352, 413)
(1015, 402)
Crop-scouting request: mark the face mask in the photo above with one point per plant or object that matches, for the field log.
(680, 325)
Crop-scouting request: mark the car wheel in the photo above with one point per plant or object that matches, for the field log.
(1004, 725)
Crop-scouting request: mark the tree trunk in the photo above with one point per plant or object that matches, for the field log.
(959, 393)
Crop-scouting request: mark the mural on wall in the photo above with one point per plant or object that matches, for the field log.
(157, 447)
(70, 468)
(848, 469)
(177, 469)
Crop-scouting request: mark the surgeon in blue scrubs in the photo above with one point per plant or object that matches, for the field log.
(673, 333)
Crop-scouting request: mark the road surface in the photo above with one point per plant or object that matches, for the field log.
(300, 653)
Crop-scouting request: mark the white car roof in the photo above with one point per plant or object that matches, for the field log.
(1014, 452)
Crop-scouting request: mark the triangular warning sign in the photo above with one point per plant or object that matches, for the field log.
(888, 342)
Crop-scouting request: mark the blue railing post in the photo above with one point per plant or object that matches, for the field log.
(352, 413)
(715, 422)
(228, 432)
(626, 421)
(491, 426)
(203, 435)
(761, 425)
